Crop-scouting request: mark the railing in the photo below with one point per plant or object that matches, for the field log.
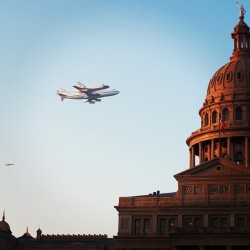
(210, 230)
(148, 201)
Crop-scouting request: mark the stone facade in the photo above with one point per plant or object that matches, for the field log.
(49, 242)
(211, 208)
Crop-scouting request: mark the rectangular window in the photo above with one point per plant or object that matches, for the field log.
(219, 221)
(198, 222)
(241, 222)
(146, 226)
(214, 222)
(193, 221)
(171, 222)
(163, 226)
(137, 226)
(141, 226)
(224, 222)
(248, 222)
(188, 222)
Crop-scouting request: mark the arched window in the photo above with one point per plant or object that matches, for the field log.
(214, 117)
(206, 119)
(239, 158)
(238, 113)
(239, 75)
(229, 76)
(225, 114)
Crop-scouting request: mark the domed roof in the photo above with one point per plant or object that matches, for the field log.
(4, 226)
(27, 234)
(233, 77)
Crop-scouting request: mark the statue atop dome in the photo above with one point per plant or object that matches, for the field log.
(242, 10)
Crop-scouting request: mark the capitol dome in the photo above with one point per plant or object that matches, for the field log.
(4, 226)
(234, 75)
(225, 114)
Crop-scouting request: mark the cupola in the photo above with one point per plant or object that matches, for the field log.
(4, 226)
(27, 234)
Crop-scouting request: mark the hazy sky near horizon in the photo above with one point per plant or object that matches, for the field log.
(74, 160)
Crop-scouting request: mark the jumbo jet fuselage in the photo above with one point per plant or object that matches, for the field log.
(90, 97)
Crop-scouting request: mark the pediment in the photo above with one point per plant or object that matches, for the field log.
(216, 167)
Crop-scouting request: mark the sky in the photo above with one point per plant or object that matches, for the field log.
(73, 160)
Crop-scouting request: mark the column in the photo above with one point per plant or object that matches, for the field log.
(205, 220)
(232, 220)
(154, 225)
(200, 153)
(229, 146)
(209, 152)
(179, 222)
(192, 157)
(246, 151)
(212, 149)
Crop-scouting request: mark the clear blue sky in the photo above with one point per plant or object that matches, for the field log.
(74, 160)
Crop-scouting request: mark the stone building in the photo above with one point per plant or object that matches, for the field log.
(52, 242)
(211, 208)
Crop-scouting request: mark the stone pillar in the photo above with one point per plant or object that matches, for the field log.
(246, 151)
(232, 220)
(154, 225)
(209, 152)
(179, 222)
(205, 220)
(200, 153)
(229, 146)
(192, 157)
(212, 149)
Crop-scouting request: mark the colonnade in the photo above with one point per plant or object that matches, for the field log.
(229, 152)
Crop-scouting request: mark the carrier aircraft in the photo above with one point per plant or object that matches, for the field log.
(91, 95)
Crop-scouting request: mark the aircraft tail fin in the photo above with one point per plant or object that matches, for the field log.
(62, 93)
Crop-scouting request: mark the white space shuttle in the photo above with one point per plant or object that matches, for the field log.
(81, 88)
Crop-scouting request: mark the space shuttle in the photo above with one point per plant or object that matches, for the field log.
(81, 88)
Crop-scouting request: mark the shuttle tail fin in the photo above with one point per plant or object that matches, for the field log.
(81, 85)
